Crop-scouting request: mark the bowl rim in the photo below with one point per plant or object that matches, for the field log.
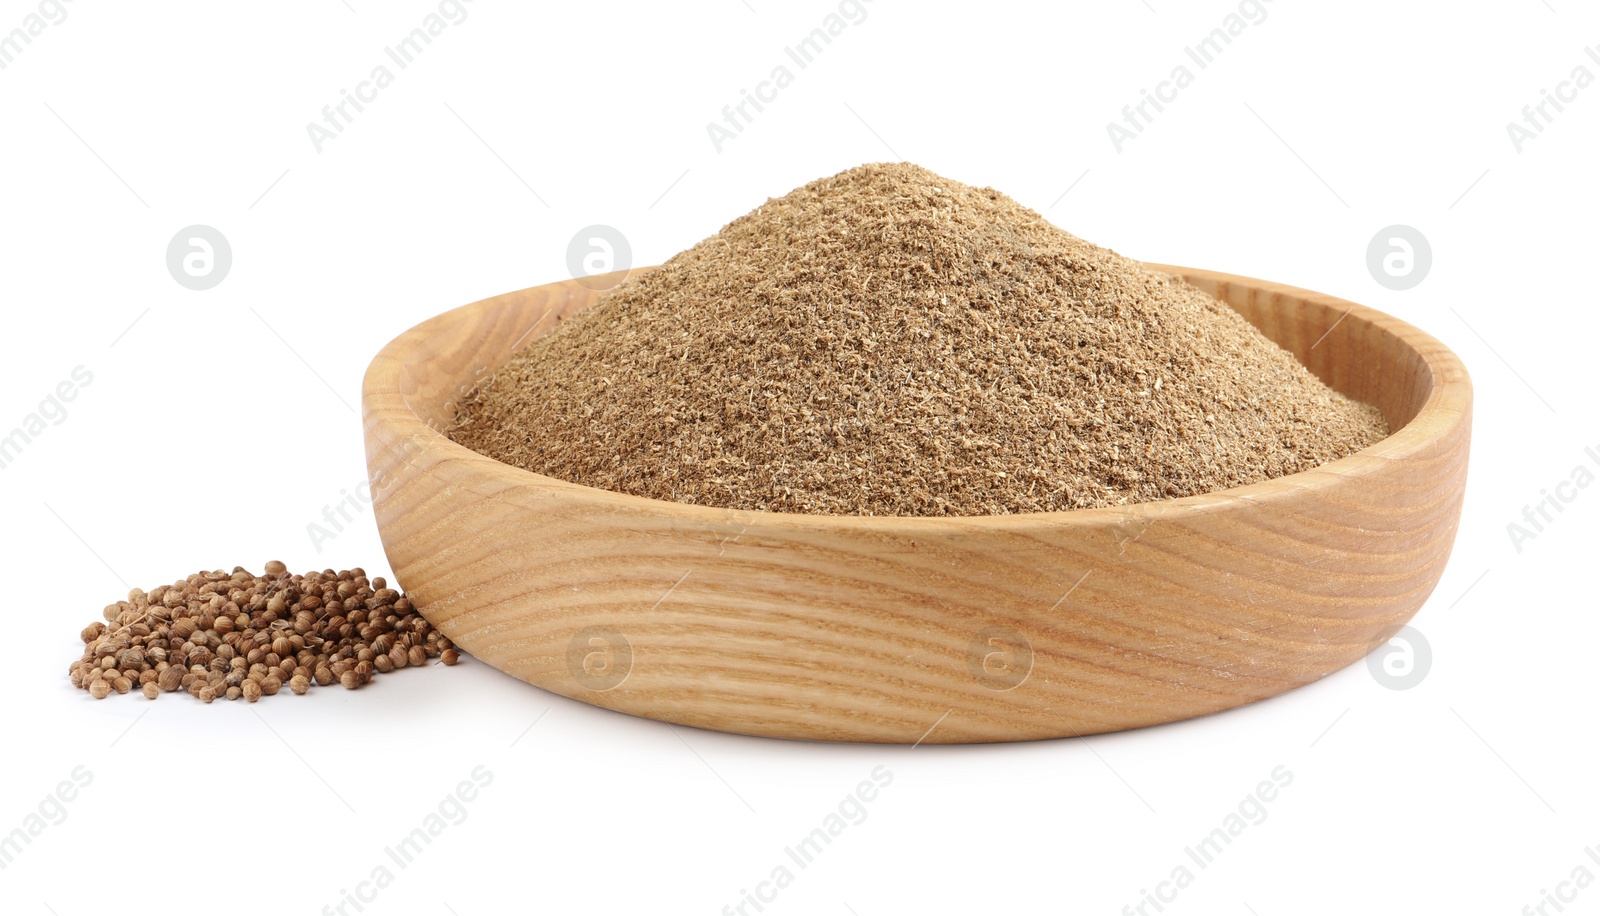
(388, 418)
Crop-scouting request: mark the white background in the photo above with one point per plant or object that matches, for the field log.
(219, 424)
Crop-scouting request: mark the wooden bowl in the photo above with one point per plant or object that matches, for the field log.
(906, 630)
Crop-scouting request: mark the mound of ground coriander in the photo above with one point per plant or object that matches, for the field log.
(232, 635)
(890, 342)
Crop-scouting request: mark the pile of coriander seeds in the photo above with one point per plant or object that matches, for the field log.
(232, 635)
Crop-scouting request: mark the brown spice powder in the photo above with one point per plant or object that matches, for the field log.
(890, 342)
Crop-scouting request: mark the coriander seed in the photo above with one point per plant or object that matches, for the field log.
(234, 634)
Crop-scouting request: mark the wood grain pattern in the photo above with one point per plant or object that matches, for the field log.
(905, 629)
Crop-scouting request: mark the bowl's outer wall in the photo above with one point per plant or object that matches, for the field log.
(939, 630)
